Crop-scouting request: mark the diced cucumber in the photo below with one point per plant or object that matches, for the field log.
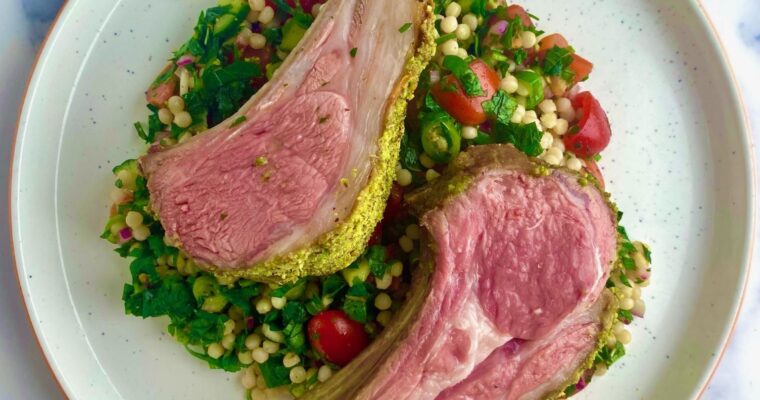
(214, 304)
(129, 165)
(292, 32)
(296, 291)
(358, 271)
(535, 83)
(204, 287)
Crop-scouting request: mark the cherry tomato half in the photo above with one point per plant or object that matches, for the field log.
(159, 93)
(581, 67)
(594, 132)
(467, 110)
(395, 206)
(550, 41)
(514, 11)
(335, 336)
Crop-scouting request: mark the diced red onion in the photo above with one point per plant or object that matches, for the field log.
(250, 323)
(637, 313)
(125, 234)
(185, 60)
(499, 27)
(580, 385)
(435, 75)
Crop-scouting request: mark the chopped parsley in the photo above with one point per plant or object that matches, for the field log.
(405, 27)
(353, 52)
(239, 120)
(500, 107)
(527, 137)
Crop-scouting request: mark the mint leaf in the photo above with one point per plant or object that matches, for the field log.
(461, 70)
(556, 61)
(500, 107)
(527, 138)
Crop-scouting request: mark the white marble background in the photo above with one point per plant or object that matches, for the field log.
(23, 374)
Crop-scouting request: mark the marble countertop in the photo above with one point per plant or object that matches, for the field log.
(23, 24)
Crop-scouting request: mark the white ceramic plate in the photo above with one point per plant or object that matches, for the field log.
(679, 166)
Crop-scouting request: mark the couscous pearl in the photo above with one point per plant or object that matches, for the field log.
(316, 9)
(549, 120)
(449, 24)
(407, 245)
(618, 327)
(554, 152)
(384, 282)
(383, 301)
(229, 326)
(600, 370)
(528, 39)
(257, 5)
(558, 86)
(176, 104)
(530, 116)
(261, 383)
(519, 113)
(569, 115)
(426, 161)
(512, 67)
(546, 140)
(184, 137)
(547, 106)
(272, 335)
(165, 116)
(263, 305)
(560, 145)
(625, 290)
(623, 336)
(253, 341)
(453, 9)
(563, 104)
(324, 373)
(463, 32)
(462, 53)
(249, 379)
(228, 341)
(471, 20)
(522, 89)
(267, 15)
(215, 350)
(636, 292)
(291, 360)
(552, 160)
(133, 219)
(404, 177)
(259, 355)
(183, 119)
(431, 175)
(560, 127)
(627, 303)
(413, 231)
(639, 307)
(508, 84)
(270, 346)
(469, 132)
(245, 357)
(278, 302)
(397, 269)
(141, 233)
(611, 340)
(297, 374)
(574, 164)
(384, 317)
(450, 47)
(257, 41)
(259, 394)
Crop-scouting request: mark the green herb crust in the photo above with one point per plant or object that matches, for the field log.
(339, 247)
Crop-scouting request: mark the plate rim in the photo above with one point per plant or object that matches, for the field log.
(734, 91)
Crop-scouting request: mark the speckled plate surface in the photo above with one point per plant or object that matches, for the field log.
(679, 166)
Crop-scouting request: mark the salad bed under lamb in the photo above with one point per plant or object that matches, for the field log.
(496, 78)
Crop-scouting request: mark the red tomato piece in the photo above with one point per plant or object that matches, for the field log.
(593, 169)
(517, 11)
(594, 131)
(395, 206)
(581, 67)
(465, 109)
(335, 336)
(549, 42)
(160, 93)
